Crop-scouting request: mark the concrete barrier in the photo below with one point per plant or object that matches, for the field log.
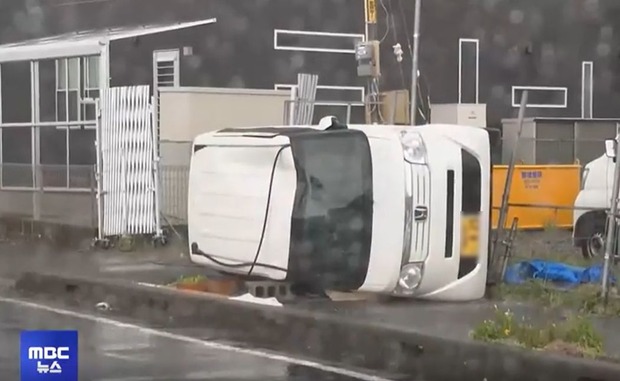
(402, 354)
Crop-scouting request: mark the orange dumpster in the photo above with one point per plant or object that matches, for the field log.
(540, 195)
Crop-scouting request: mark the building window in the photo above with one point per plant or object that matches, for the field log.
(166, 73)
(16, 108)
(90, 90)
(82, 155)
(469, 70)
(541, 96)
(17, 157)
(587, 88)
(67, 152)
(166, 68)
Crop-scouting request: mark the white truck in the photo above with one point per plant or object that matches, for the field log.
(592, 202)
(396, 210)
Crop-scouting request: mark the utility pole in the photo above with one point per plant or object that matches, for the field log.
(414, 62)
(367, 56)
(370, 10)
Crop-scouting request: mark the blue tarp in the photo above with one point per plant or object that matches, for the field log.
(556, 272)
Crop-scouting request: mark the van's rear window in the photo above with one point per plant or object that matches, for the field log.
(332, 216)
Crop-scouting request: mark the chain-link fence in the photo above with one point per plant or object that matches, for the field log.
(543, 151)
(67, 195)
(556, 265)
(173, 189)
(552, 250)
(49, 193)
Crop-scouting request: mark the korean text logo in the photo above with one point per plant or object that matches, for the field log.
(49, 355)
(531, 179)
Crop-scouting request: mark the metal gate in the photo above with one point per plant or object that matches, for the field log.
(127, 155)
(305, 97)
(300, 109)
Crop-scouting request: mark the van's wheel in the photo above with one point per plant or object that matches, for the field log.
(594, 245)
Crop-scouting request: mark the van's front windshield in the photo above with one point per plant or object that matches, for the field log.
(332, 215)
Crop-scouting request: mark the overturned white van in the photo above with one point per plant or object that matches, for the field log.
(393, 210)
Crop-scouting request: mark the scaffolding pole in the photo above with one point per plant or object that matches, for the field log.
(611, 223)
(414, 62)
(503, 213)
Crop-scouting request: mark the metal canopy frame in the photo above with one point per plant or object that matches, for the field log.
(86, 43)
(70, 45)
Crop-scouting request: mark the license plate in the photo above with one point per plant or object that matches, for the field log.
(470, 231)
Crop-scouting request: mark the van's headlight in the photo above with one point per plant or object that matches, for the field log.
(410, 278)
(414, 150)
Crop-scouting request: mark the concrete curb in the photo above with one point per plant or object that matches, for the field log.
(327, 337)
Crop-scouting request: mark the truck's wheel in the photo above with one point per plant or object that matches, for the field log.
(590, 234)
(594, 245)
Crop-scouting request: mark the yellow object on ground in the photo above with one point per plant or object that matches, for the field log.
(545, 195)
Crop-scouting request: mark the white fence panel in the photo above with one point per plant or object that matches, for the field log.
(128, 157)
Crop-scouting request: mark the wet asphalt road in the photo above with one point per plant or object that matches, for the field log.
(114, 352)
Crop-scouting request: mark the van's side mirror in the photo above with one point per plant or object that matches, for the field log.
(495, 136)
(610, 148)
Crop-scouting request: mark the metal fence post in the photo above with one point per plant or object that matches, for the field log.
(93, 196)
(157, 191)
(99, 165)
(38, 192)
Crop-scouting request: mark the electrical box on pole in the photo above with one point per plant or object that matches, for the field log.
(368, 66)
(367, 57)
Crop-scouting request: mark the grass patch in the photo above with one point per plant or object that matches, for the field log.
(585, 299)
(550, 226)
(575, 336)
(126, 243)
(187, 279)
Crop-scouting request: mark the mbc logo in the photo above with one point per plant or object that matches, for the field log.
(48, 353)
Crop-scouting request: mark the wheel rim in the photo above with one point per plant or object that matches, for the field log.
(596, 245)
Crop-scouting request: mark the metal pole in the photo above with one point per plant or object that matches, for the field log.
(370, 11)
(155, 103)
(99, 165)
(414, 62)
(503, 213)
(611, 221)
(34, 131)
